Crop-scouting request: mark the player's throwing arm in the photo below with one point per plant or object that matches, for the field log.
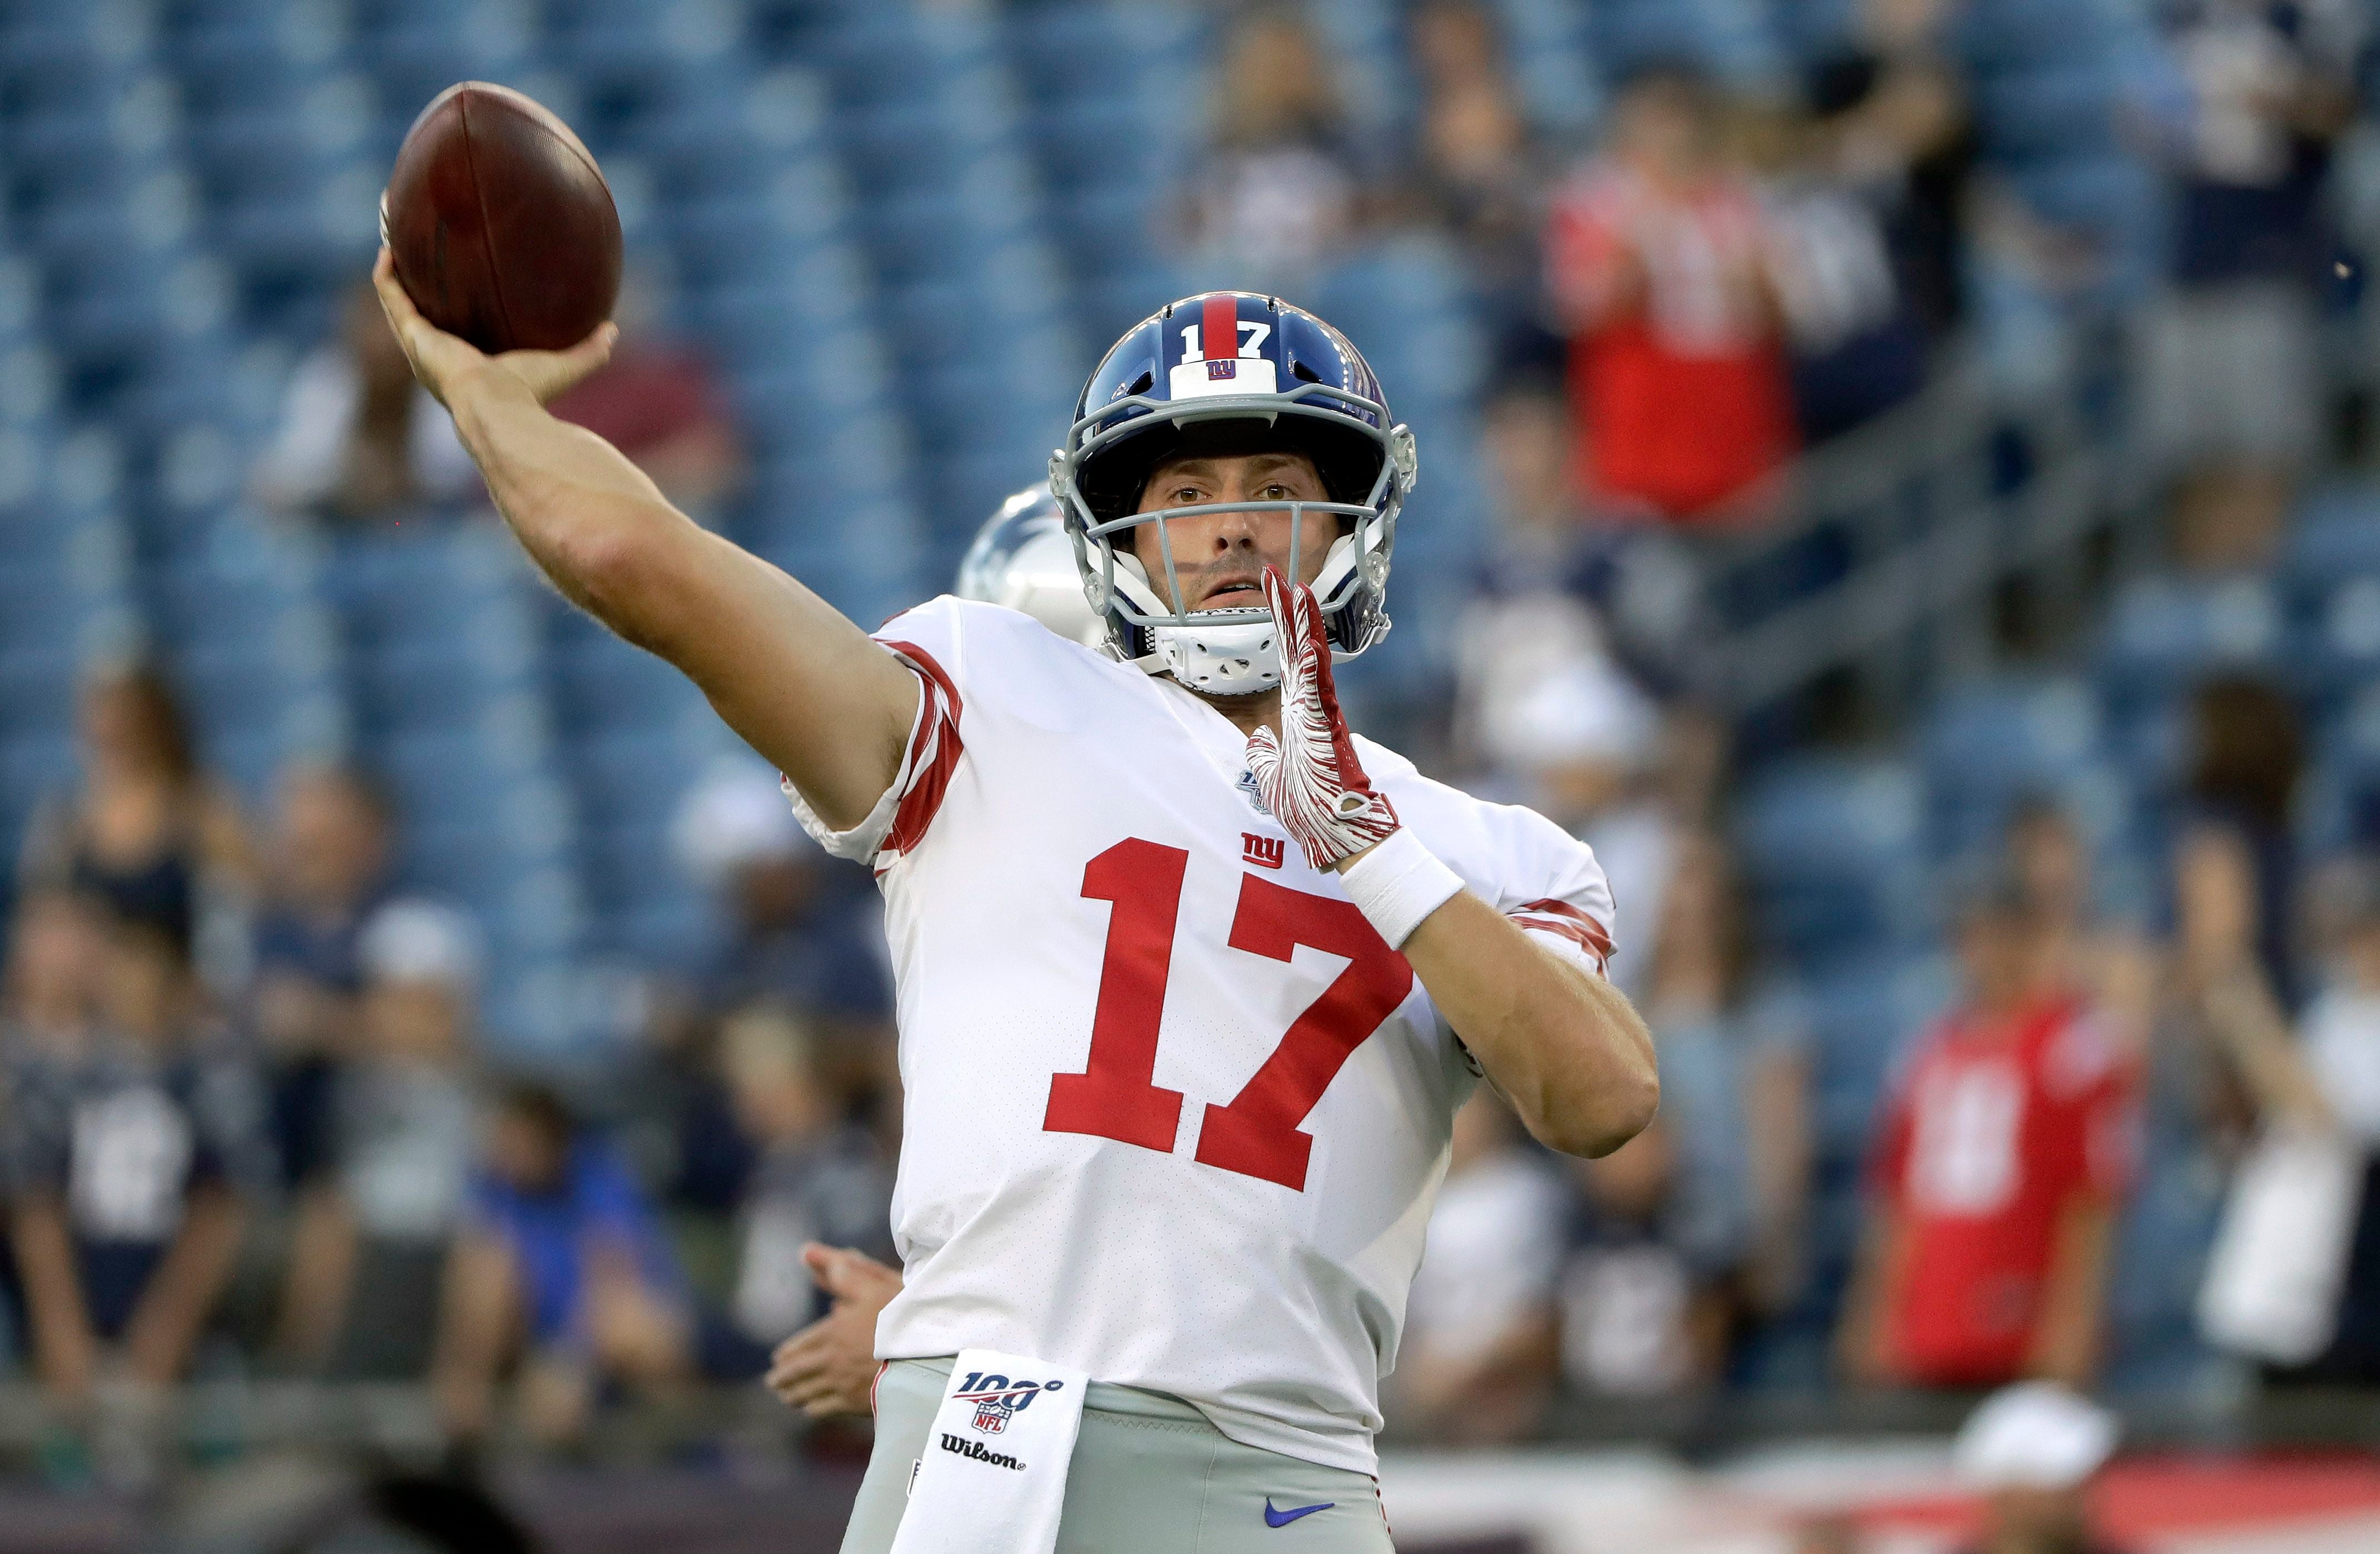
(789, 673)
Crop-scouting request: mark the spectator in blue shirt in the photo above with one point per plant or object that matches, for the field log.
(561, 1275)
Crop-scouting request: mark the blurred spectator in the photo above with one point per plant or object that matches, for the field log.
(1659, 265)
(2246, 754)
(326, 871)
(1281, 186)
(560, 1275)
(2004, 1155)
(817, 1177)
(149, 833)
(2232, 350)
(1894, 127)
(1478, 1352)
(1856, 349)
(792, 935)
(1637, 581)
(1547, 710)
(1697, 1227)
(1639, 1317)
(49, 985)
(792, 939)
(2033, 1449)
(359, 438)
(132, 1161)
(1475, 170)
(365, 1268)
(2052, 865)
(2341, 1033)
(1735, 1057)
(658, 403)
(2220, 1068)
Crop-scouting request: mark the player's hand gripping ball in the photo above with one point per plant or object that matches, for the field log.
(1309, 775)
(499, 239)
(501, 225)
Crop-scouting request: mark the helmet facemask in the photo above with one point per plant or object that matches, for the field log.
(1232, 651)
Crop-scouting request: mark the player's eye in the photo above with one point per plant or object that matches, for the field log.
(1186, 496)
(1277, 492)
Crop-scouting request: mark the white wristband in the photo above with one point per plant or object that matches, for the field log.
(1397, 884)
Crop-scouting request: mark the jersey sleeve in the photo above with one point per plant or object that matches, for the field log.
(2091, 1085)
(1556, 891)
(925, 640)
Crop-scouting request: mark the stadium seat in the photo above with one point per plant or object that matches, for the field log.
(2164, 632)
(1831, 848)
(1551, 49)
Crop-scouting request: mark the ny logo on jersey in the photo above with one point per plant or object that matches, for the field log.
(1265, 852)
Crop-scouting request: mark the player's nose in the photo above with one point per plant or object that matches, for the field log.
(1237, 530)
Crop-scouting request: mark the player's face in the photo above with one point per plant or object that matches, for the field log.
(1221, 556)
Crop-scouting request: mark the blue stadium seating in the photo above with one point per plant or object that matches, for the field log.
(1832, 849)
(901, 230)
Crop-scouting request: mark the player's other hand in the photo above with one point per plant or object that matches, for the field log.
(829, 1367)
(446, 363)
(1308, 774)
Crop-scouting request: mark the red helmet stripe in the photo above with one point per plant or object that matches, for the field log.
(1219, 327)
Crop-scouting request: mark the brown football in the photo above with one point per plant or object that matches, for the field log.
(501, 225)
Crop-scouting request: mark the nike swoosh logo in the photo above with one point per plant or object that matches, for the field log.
(1283, 1518)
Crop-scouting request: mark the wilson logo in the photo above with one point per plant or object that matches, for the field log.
(1265, 852)
(963, 1446)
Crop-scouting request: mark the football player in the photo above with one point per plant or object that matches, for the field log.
(1191, 978)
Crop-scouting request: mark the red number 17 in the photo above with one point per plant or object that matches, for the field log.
(1258, 1135)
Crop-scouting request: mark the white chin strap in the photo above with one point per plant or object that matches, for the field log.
(1221, 660)
(1232, 657)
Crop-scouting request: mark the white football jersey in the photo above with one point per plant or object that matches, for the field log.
(1175, 1113)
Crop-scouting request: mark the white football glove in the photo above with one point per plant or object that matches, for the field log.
(1309, 775)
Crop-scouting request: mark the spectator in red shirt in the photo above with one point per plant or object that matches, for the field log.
(2004, 1152)
(1659, 270)
(657, 403)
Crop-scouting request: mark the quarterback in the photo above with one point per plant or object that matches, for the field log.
(1191, 978)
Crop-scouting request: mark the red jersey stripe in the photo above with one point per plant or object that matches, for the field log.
(934, 751)
(1561, 918)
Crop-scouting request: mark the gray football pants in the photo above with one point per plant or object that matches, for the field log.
(1150, 1476)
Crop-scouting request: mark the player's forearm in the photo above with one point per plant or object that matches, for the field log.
(577, 504)
(1563, 1046)
(803, 686)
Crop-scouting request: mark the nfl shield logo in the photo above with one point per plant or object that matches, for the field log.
(991, 1415)
(1223, 369)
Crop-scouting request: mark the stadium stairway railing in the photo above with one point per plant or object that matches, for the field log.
(1883, 555)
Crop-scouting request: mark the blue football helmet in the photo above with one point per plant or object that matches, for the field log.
(1022, 559)
(1231, 369)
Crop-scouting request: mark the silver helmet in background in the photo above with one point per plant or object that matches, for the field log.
(1023, 558)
